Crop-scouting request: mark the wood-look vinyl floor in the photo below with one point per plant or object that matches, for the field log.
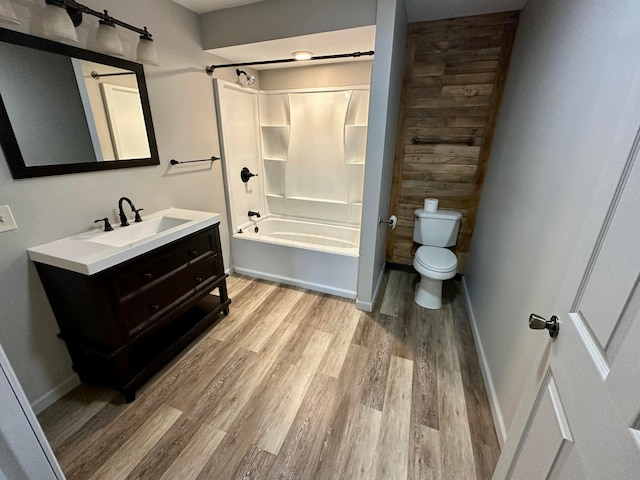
(296, 385)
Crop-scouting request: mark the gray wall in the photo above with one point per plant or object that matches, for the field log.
(571, 70)
(46, 209)
(274, 19)
(384, 107)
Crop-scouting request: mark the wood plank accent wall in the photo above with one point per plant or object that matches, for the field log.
(454, 75)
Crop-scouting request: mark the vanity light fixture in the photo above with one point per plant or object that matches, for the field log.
(107, 38)
(146, 51)
(7, 13)
(57, 25)
(62, 16)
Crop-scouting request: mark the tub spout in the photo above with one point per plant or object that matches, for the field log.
(251, 213)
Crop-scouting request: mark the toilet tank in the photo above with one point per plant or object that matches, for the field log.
(437, 229)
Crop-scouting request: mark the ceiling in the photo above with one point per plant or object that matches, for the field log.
(204, 6)
(341, 41)
(422, 10)
(417, 10)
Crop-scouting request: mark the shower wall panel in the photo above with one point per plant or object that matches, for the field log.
(240, 146)
(307, 147)
(313, 146)
(315, 161)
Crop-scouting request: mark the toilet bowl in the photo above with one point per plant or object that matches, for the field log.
(434, 264)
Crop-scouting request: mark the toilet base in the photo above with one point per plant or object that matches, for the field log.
(429, 293)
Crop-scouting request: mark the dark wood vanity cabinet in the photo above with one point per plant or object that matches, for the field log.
(121, 325)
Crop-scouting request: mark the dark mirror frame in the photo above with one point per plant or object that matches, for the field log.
(8, 140)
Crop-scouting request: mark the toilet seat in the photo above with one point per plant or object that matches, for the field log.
(436, 259)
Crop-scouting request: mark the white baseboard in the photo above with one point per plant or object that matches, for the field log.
(55, 393)
(230, 271)
(340, 292)
(496, 412)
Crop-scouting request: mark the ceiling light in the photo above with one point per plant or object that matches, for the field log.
(302, 55)
(7, 13)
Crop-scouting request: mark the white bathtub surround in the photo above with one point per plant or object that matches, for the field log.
(311, 255)
(308, 148)
(314, 152)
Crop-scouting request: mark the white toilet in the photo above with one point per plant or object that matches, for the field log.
(434, 230)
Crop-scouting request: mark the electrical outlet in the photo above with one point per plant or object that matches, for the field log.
(6, 219)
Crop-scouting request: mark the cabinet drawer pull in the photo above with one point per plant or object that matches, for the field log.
(155, 307)
(198, 279)
(148, 275)
(193, 253)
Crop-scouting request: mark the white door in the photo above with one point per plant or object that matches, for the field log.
(25, 453)
(580, 415)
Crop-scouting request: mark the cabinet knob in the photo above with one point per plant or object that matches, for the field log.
(148, 275)
(155, 307)
(193, 253)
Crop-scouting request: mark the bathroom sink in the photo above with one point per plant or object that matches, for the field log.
(136, 232)
(91, 252)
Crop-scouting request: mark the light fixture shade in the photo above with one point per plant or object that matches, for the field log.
(147, 53)
(57, 24)
(107, 39)
(7, 13)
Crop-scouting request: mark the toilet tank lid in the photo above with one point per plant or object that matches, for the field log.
(441, 214)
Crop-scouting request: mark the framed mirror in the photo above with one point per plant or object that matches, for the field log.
(65, 110)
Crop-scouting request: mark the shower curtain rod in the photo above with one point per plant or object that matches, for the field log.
(211, 68)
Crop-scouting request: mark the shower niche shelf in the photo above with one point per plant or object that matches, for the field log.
(275, 141)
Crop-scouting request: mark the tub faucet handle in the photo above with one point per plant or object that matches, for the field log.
(245, 174)
(251, 213)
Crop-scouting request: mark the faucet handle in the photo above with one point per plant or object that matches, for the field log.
(107, 225)
(137, 217)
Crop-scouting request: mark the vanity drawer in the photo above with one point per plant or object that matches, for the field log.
(150, 305)
(147, 273)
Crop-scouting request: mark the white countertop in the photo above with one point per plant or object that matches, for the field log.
(84, 254)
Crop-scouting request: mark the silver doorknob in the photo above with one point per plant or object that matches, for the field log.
(536, 322)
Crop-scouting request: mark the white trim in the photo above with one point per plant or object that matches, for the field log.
(297, 283)
(55, 393)
(37, 441)
(230, 271)
(338, 88)
(496, 412)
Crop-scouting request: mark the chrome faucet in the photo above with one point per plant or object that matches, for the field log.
(123, 217)
(251, 213)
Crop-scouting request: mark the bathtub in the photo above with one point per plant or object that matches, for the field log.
(311, 255)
